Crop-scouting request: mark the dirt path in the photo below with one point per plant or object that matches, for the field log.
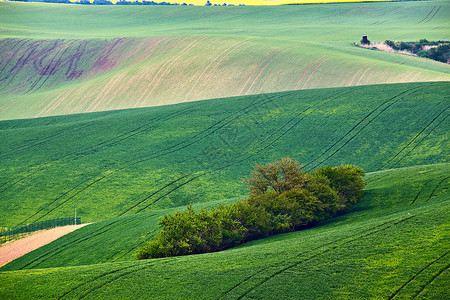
(16, 249)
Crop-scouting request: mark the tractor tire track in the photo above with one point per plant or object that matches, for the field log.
(207, 67)
(416, 274)
(92, 280)
(169, 64)
(75, 57)
(353, 78)
(24, 41)
(432, 279)
(126, 272)
(365, 73)
(394, 99)
(154, 193)
(259, 74)
(218, 63)
(5, 43)
(47, 205)
(433, 15)
(432, 193)
(148, 50)
(195, 139)
(416, 136)
(43, 140)
(333, 245)
(171, 191)
(312, 73)
(102, 175)
(312, 109)
(20, 63)
(419, 142)
(159, 70)
(414, 77)
(50, 70)
(169, 67)
(59, 102)
(102, 58)
(428, 14)
(248, 79)
(245, 157)
(420, 191)
(50, 103)
(306, 71)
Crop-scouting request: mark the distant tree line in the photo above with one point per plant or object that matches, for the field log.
(439, 53)
(282, 198)
(121, 2)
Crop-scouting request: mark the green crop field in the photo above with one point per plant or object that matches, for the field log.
(125, 162)
(395, 245)
(104, 58)
(100, 110)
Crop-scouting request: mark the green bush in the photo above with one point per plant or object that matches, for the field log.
(279, 176)
(282, 198)
(347, 181)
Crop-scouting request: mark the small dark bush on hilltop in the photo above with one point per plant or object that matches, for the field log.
(282, 198)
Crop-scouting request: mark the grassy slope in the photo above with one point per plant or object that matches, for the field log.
(85, 247)
(393, 245)
(126, 234)
(127, 57)
(124, 162)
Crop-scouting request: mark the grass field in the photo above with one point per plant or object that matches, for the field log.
(393, 246)
(128, 57)
(125, 162)
(99, 111)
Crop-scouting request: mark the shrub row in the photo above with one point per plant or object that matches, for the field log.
(439, 53)
(282, 198)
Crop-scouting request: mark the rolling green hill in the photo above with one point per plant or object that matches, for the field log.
(393, 246)
(125, 162)
(99, 110)
(105, 58)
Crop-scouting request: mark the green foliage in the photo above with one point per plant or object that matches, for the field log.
(189, 232)
(395, 242)
(112, 156)
(439, 53)
(347, 181)
(65, 77)
(280, 176)
(282, 198)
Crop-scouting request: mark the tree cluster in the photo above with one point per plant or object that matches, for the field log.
(441, 51)
(282, 198)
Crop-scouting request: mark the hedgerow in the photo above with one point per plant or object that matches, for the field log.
(282, 198)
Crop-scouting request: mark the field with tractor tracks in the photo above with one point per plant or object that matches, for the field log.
(130, 113)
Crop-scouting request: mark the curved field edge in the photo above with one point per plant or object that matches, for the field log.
(126, 162)
(126, 234)
(302, 47)
(19, 247)
(58, 77)
(380, 21)
(86, 246)
(393, 245)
